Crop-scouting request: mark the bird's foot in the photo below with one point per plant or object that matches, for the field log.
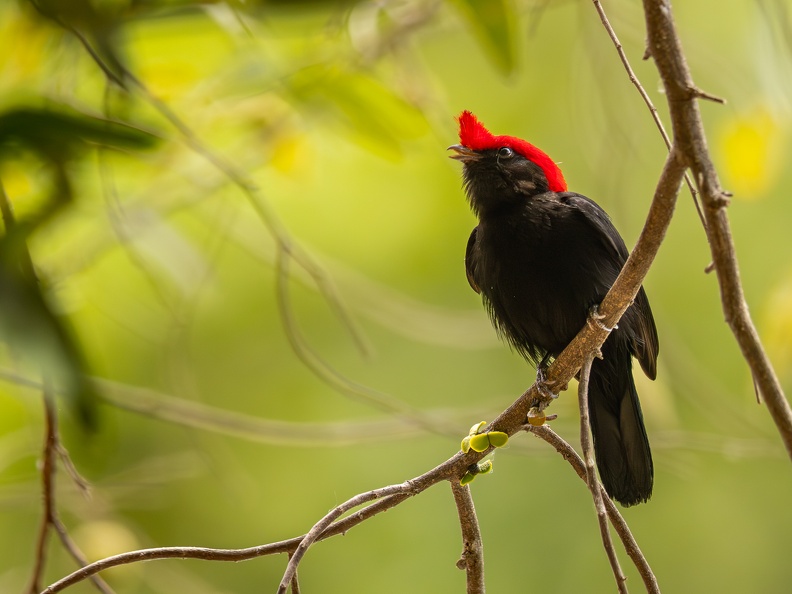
(479, 441)
(544, 385)
(595, 319)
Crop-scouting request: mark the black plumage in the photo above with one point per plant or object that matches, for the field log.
(542, 257)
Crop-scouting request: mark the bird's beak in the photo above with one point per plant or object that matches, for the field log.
(463, 153)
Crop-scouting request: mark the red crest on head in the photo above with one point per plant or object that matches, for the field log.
(475, 136)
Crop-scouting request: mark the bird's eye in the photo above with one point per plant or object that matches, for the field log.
(505, 152)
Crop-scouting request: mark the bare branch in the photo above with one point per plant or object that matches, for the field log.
(295, 581)
(233, 555)
(691, 143)
(321, 526)
(51, 452)
(591, 474)
(451, 469)
(472, 559)
(617, 521)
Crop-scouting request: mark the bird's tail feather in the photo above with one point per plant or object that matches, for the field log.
(621, 446)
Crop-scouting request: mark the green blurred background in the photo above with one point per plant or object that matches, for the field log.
(162, 270)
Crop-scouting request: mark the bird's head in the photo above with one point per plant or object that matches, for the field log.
(502, 169)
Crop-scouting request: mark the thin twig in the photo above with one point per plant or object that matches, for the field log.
(645, 96)
(545, 433)
(76, 554)
(690, 140)
(232, 555)
(591, 474)
(453, 468)
(321, 526)
(472, 559)
(448, 470)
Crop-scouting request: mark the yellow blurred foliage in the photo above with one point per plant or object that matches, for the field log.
(289, 154)
(777, 326)
(16, 181)
(751, 145)
(102, 538)
(174, 63)
(23, 42)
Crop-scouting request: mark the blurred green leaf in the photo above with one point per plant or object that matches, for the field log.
(30, 327)
(491, 21)
(57, 133)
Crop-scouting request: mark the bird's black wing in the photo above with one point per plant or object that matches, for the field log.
(638, 319)
(471, 261)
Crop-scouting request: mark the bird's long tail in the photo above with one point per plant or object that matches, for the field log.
(621, 446)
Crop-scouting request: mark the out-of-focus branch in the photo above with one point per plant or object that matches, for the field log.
(52, 449)
(50, 520)
(690, 141)
(48, 461)
(472, 559)
(184, 412)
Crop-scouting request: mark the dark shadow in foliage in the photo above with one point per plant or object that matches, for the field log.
(28, 322)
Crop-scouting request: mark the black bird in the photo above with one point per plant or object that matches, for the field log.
(541, 258)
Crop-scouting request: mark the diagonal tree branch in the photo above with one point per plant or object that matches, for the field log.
(619, 298)
(617, 520)
(691, 143)
(591, 474)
